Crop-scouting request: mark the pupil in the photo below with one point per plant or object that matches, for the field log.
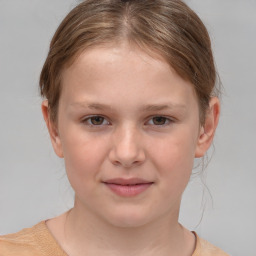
(159, 120)
(97, 120)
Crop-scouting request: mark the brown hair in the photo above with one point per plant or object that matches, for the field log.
(167, 27)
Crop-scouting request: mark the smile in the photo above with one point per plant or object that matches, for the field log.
(127, 187)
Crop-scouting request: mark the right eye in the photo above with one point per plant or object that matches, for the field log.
(95, 121)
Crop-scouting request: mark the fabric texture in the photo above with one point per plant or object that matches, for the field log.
(38, 241)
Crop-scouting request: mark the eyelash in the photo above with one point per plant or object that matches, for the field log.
(88, 121)
(167, 121)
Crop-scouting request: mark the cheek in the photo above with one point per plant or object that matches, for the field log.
(174, 159)
(83, 157)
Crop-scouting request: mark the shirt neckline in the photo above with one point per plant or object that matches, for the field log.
(52, 245)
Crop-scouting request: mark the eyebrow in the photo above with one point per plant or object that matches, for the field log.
(95, 106)
(156, 107)
(149, 107)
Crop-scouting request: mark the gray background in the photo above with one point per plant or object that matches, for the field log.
(33, 185)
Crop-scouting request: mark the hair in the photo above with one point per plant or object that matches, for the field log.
(166, 27)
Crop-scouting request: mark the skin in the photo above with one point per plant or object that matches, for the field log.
(128, 89)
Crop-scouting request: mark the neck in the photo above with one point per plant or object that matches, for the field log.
(85, 233)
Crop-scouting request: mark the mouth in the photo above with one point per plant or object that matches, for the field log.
(127, 187)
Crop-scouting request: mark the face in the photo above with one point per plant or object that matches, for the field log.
(126, 118)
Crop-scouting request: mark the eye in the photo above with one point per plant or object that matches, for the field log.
(96, 121)
(159, 120)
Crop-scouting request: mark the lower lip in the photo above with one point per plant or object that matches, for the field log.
(128, 191)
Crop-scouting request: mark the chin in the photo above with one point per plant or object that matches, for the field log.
(129, 219)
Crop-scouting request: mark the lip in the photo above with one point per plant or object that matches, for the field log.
(127, 187)
(130, 181)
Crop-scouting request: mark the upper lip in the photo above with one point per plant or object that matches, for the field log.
(131, 181)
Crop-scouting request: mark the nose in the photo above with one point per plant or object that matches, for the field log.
(127, 149)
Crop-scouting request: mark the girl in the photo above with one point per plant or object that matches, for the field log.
(129, 102)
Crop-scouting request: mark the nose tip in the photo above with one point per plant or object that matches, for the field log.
(127, 151)
(127, 156)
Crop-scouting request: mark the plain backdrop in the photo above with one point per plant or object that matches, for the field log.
(33, 184)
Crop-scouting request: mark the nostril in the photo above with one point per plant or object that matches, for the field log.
(127, 165)
(116, 163)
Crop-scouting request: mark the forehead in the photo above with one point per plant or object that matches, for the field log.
(103, 58)
(121, 72)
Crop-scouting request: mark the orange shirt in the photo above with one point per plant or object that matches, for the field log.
(38, 241)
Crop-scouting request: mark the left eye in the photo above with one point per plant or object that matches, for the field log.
(159, 120)
(96, 120)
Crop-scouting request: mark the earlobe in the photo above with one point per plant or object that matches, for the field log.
(207, 131)
(52, 129)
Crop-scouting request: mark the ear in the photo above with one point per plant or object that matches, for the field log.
(207, 131)
(52, 128)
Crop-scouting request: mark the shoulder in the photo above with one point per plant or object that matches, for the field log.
(19, 243)
(204, 248)
(36, 240)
